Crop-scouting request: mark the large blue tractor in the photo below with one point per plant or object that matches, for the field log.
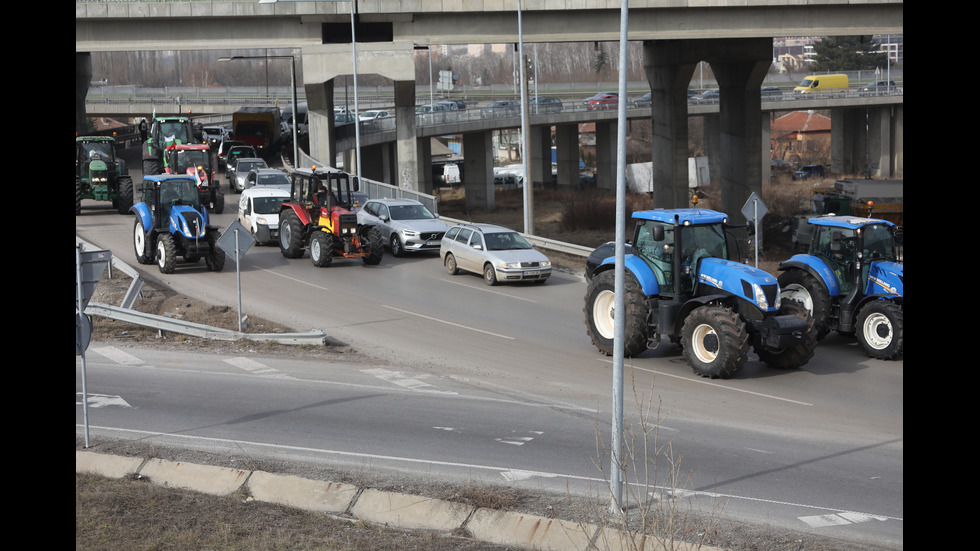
(851, 281)
(680, 282)
(171, 222)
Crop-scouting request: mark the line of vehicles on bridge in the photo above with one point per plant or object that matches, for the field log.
(683, 280)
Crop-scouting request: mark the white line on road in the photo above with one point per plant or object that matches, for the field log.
(448, 322)
(118, 356)
(489, 291)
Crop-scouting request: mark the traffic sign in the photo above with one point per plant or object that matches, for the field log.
(754, 208)
(91, 264)
(236, 241)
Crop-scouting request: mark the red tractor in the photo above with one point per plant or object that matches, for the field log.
(199, 161)
(318, 217)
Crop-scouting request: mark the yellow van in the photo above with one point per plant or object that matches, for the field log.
(822, 83)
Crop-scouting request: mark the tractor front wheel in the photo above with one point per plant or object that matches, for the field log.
(374, 243)
(290, 235)
(715, 341)
(881, 329)
(166, 253)
(796, 284)
(798, 354)
(219, 200)
(141, 243)
(321, 249)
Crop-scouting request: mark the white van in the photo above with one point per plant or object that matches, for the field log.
(450, 175)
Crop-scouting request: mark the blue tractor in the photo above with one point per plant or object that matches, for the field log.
(680, 282)
(851, 282)
(171, 222)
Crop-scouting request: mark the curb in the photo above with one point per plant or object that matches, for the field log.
(403, 511)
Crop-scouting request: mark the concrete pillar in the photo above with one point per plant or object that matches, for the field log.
(898, 142)
(669, 67)
(319, 102)
(606, 148)
(879, 142)
(766, 144)
(540, 143)
(566, 145)
(478, 167)
(410, 171)
(848, 137)
(423, 159)
(83, 79)
(712, 147)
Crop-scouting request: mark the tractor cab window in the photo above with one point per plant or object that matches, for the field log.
(95, 150)
(191, 159)
(170, 131)
(655, 244)
(879, 243)
(698, 242)
(178, 192)
(836, 247)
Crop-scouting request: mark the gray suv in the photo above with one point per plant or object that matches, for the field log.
(405, 224)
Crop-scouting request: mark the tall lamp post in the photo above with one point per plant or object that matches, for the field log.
(292, 79)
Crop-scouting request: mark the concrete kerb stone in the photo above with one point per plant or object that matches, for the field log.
(109, 466)
(410, 511)
(294, 491)
(528, 531)
(208, 479)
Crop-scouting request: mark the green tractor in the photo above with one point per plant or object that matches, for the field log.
(165, 132)
(100, 174)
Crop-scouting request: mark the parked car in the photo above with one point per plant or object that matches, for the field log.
(808, 171)
(601, 253)
(643, 101)
(502, 255)
(545, 106)
(878, 87)
(261, 176)
(373, 115)
(771, 93)
(239, 168)
(431, 108)
(603, 101)
(258, 210)
(341, 119)
(712, 95)
(406, 224)
(501, 108)
(460, 104)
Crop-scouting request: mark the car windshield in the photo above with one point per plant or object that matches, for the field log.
(410, 212)
(503, 241)
(272, 180)
(245, 166)
(267, 205)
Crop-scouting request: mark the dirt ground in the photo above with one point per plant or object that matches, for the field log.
(134, 515)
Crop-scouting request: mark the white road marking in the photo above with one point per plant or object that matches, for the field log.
(448, 322)
(101, 400)
(490, 291)
(118, 356)
(304, 282)
(519, 440)
(402, 380)
(254, 367)
(839, 519)
(702, 381)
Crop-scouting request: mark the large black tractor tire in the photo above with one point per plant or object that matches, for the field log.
(166, 253)
(219, 200)
(125, 201)
(142, 244)
(215, 259)
(290, 235)
(799, 354)
(881, 329)
(152, 166)
(600, 318)
(78, 196)
(796, 284)
(375, 243)
(715, 341)
(321, 249)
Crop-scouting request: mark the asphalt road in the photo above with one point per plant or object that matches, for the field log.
(502, 384)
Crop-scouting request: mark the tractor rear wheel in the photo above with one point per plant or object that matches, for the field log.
(881, 329)
(800, 353)
(219, 200)
(321, 249)
(290, 235)
(600, 317)
(166, 253)
(715, 341)
(78, 196)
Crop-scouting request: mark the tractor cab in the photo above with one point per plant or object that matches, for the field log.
(324, 194)
(190, 159)
(162, 194)
(849, 244)
(169, 130)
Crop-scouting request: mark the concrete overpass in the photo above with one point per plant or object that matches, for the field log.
(734, 36)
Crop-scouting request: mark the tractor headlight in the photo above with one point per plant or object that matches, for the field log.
(760, 297)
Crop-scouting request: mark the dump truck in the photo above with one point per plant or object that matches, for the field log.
(259, 127)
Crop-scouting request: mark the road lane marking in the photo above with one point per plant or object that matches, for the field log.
(256, 368)
(284, 276)
(716, 385)
(102, 400)
(118, 356)
(839, 519)
(402, 380)
(430, 318)
(489, 291)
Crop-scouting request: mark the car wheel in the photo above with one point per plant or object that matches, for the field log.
(489, 275)
(451, 264)
(396, 246)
